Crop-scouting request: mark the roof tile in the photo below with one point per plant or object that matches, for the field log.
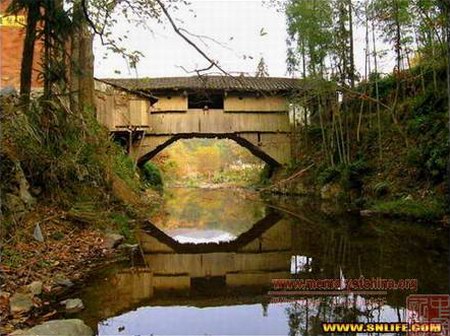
(228, 83)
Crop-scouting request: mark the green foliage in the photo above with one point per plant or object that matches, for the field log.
(386, 85)
(11, 257)
(393, 17)
(122, 223)
(151, 176)
(381, 189)
(428, 125)
(309, 29)
(125, 168)
(418, 209)
(264, 175)
(57, 235)
(349, 176)
(63, 153)
(314, 133)
(352, 174)
(328, 175)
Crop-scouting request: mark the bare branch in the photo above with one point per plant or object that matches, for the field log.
(189, 41)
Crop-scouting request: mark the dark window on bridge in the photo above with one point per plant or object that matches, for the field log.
(202, 100)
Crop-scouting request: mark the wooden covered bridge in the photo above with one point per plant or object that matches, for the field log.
(149, 114)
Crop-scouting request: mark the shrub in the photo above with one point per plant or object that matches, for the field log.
(151, 176)
(328, 175)
(122, 223)
(57, 147)
(264, 175)
(381, 189)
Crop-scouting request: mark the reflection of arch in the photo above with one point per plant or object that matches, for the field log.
(255, 150)
(243, 239)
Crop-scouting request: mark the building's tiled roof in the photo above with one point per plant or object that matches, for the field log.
(227, 83)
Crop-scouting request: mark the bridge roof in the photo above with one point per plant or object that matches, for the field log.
(226, 83)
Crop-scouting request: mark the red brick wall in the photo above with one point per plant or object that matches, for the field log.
(11, 46)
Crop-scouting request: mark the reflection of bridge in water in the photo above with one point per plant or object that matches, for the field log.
(254, 258)
(199, 275)
(239, 272)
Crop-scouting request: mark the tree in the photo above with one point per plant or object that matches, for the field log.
(343, 42)
(395, 19)
(262, 70)
(309, 30)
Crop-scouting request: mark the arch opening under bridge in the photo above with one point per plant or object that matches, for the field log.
(255, 150)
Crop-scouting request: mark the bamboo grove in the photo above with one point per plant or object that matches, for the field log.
(350, 105)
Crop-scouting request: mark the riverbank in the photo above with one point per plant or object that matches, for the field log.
(67, 192)
(420, 204)
(66, 257)
(388, 155)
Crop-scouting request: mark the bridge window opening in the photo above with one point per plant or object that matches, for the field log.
(204, 100)
(205, 162)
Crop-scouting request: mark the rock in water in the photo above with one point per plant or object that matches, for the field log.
(73, 327)
(73, 305)
(38, 233)
(20, 303)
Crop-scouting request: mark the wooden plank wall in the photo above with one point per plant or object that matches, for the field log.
(255, 104)
(117, 109)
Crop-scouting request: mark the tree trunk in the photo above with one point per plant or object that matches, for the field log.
(75, 57)
(352, 56)
(26, 71)
(86, 96)
(377, 95)
(82, 64)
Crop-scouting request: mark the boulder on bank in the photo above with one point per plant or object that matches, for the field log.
(34, 288)
(20, 303)
(73, 305)
(330, 191)
(112, 240)
(61, 280)
(73, 327)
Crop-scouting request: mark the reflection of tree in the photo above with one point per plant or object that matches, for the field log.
(296, 314)
(212, 209)
(305, 316)
(203, 158)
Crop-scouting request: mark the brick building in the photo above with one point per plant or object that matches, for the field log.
(12, 34)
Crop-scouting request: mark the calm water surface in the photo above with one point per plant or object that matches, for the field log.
(210, 257)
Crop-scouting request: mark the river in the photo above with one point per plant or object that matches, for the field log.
(210, 257)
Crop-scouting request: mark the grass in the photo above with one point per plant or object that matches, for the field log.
(68, 156)
(11, 258)
(418, 209)
(122, 223)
